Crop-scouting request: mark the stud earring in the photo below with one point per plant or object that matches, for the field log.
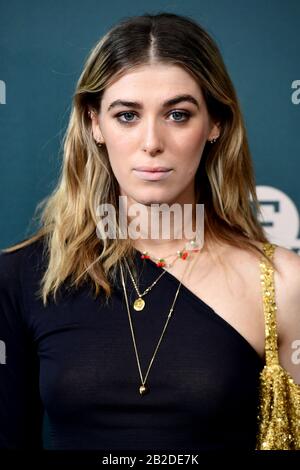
(213, 140)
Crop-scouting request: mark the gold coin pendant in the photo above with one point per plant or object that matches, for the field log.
(139, 304)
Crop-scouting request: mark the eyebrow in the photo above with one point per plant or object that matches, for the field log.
(175, 100)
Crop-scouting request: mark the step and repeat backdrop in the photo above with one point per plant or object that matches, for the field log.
(43, 46)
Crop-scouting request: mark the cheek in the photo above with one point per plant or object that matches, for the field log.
(119, 148)
(117, 165)
(195, 139)
(118, 137)
(189, 151)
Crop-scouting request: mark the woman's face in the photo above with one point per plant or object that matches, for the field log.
(147, 131)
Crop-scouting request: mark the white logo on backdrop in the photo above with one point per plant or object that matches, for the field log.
(280, 217)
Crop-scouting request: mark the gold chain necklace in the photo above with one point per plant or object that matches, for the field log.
(143, 389)
(139, 303)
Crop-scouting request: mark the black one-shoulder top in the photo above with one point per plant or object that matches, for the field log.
(74, 363)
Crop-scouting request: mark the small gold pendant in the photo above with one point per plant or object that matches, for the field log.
(139, 304)
(144, 389)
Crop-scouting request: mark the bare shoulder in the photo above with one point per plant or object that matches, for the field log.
(287, 285)
(288, 263)
(287, 297)
(287, 288)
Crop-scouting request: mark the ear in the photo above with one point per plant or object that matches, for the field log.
(97, 134)
(215, 130)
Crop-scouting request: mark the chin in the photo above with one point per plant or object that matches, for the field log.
(162, 198)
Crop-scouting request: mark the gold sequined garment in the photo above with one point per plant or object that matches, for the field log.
(279, 408)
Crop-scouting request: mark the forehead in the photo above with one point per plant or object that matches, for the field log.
(155, 81)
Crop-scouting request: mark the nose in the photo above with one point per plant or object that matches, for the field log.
(152, 141)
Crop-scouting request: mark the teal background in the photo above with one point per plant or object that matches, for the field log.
(43, 46)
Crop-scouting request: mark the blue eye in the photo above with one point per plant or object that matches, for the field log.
(187, 115)
(124, 114)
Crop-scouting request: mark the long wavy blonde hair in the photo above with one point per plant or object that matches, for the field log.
(224, 180)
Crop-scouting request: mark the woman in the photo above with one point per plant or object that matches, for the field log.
(129, 372)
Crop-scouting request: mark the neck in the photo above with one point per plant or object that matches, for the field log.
(163, 232)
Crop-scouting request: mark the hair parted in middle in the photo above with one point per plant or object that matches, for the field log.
(224, 181)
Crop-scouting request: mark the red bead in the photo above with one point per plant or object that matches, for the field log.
(184, 255)
(160, 264)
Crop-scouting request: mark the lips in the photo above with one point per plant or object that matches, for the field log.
(152, 169)
(152, 175)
